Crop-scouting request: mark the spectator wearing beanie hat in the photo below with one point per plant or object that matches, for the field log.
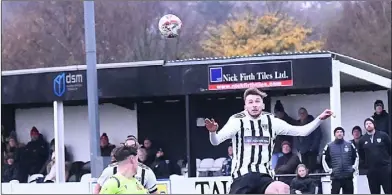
(35, 154)
(357, 134)
(381, 117)
(287, 163)
(340, 159)
(375, 148)
(106, 147)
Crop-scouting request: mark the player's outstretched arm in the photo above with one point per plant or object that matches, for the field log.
(280, 127)
(227, 132)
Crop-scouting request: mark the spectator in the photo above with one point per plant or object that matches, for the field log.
(375, 148)
(67, 157)
(106, 146)
(308, 146)
(357, 134)
(226, 167)
(51, 150)
(112, 158)
(302, 184)
(36, 153)
(159, 166)
(10, 169)
(277, 152)
(151, 152)
(142, 153)
(381, 117)
(51, 169)
(174, 168)
(287, 163)
(14, 147)
(340, 159)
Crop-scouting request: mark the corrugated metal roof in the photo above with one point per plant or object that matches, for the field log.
(362, 65)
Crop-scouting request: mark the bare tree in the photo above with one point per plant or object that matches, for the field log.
(363, 31)
(53, 34)
(50, 34)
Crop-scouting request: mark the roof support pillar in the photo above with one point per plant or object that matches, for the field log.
(335, 99)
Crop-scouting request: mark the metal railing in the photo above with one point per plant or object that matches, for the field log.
(294, 175)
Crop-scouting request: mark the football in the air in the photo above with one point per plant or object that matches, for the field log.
(170, 26)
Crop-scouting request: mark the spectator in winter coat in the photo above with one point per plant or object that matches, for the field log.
(151, 152)
(340, 159)
(302, 184)
(357, 134)
(14, 147)
(106, 147)
(287, 163)
(51, 169)
(308, 146)
(10, 169)
(159, 166)
(375, 148)
(280, 113)
(44, 170)
(36, 153)
(381, 117)
(226, 167)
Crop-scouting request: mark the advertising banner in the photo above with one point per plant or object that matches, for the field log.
(260, 75)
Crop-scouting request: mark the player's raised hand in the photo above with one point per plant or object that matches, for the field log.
(326, 114)
(211, 125)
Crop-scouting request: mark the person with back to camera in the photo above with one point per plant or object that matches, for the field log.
(124, 181)
(302, 183)
(143, 174)
(253, 134)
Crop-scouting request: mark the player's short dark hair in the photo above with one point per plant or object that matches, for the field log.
(124, 152)
(254, 91)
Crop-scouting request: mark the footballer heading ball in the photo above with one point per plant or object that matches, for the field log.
(170, 26)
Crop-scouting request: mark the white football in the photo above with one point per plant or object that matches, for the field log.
(170, 26)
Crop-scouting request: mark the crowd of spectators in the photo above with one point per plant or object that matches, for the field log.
(290, 154)
(38, 157)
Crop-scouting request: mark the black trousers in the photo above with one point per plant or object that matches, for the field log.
(345, 184)
(310, 160)
(251, 183)
(380, 177)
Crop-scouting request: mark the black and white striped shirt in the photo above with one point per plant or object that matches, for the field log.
(253, 140)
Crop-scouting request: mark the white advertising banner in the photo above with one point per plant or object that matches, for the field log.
(176, 185)
(200, 185)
